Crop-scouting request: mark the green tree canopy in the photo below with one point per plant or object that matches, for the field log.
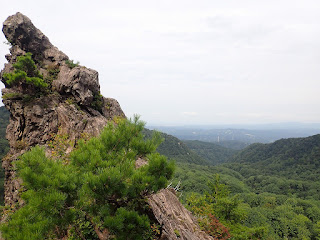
(25, 71)
(96, 190)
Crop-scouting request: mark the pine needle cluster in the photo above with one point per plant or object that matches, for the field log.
(98, 192)
(25, 72)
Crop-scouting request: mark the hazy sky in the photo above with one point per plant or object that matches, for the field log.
(192, 62)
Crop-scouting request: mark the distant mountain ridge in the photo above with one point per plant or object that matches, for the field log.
(294, 158)
(177, 150)
(285, 148)
(246, 136)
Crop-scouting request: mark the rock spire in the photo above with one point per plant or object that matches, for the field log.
(71, 106)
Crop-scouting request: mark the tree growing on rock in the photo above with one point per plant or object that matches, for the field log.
(95, 193)
(25, 72)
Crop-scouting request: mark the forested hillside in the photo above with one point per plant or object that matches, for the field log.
(246, 213)
(213, 153)
(295, 158)
(302, 150)
(271, 191)
(233, 144)
(254, 203)
(177, 150)
(265, 191)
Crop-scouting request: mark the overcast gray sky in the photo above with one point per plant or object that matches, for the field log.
(192, 62)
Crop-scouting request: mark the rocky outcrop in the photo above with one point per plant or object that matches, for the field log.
(71, 106)
(23, 35)
(176, 221)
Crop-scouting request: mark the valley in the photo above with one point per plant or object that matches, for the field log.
(270, 190)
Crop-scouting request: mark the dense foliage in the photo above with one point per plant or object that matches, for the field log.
(288, 166)
(25, 72)
(233, 144)
(266, 191)
(96, 190)
(213, 153)
(274, 187)
(175, 149)
(264, 215)
(218, 211)
(294, 158)
(194, 178)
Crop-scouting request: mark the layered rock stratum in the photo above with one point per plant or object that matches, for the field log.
(71, 107)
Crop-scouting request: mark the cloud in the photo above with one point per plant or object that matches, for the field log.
(220, 61)
(190, 114)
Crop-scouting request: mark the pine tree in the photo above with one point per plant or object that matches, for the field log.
(97, 191)
(26, 72)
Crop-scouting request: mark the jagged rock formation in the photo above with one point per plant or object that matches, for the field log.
(68, 107)
(73, 107)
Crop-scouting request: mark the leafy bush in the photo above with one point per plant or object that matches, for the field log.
(13, 95)
(18, 96)
(25, 71)
(71, 64)
(222, 215)
(99, 185)
(53, 71)
(97, 102)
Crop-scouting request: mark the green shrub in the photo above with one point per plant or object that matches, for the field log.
(97, 102)
(176, 231)
(18, 96)
(13, 95)
(53, 71)
(71, 64)
(98, 188)
(25, 71)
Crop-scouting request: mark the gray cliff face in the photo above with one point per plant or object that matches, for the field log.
(20, 32)
(66, 109)
(72, 107)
